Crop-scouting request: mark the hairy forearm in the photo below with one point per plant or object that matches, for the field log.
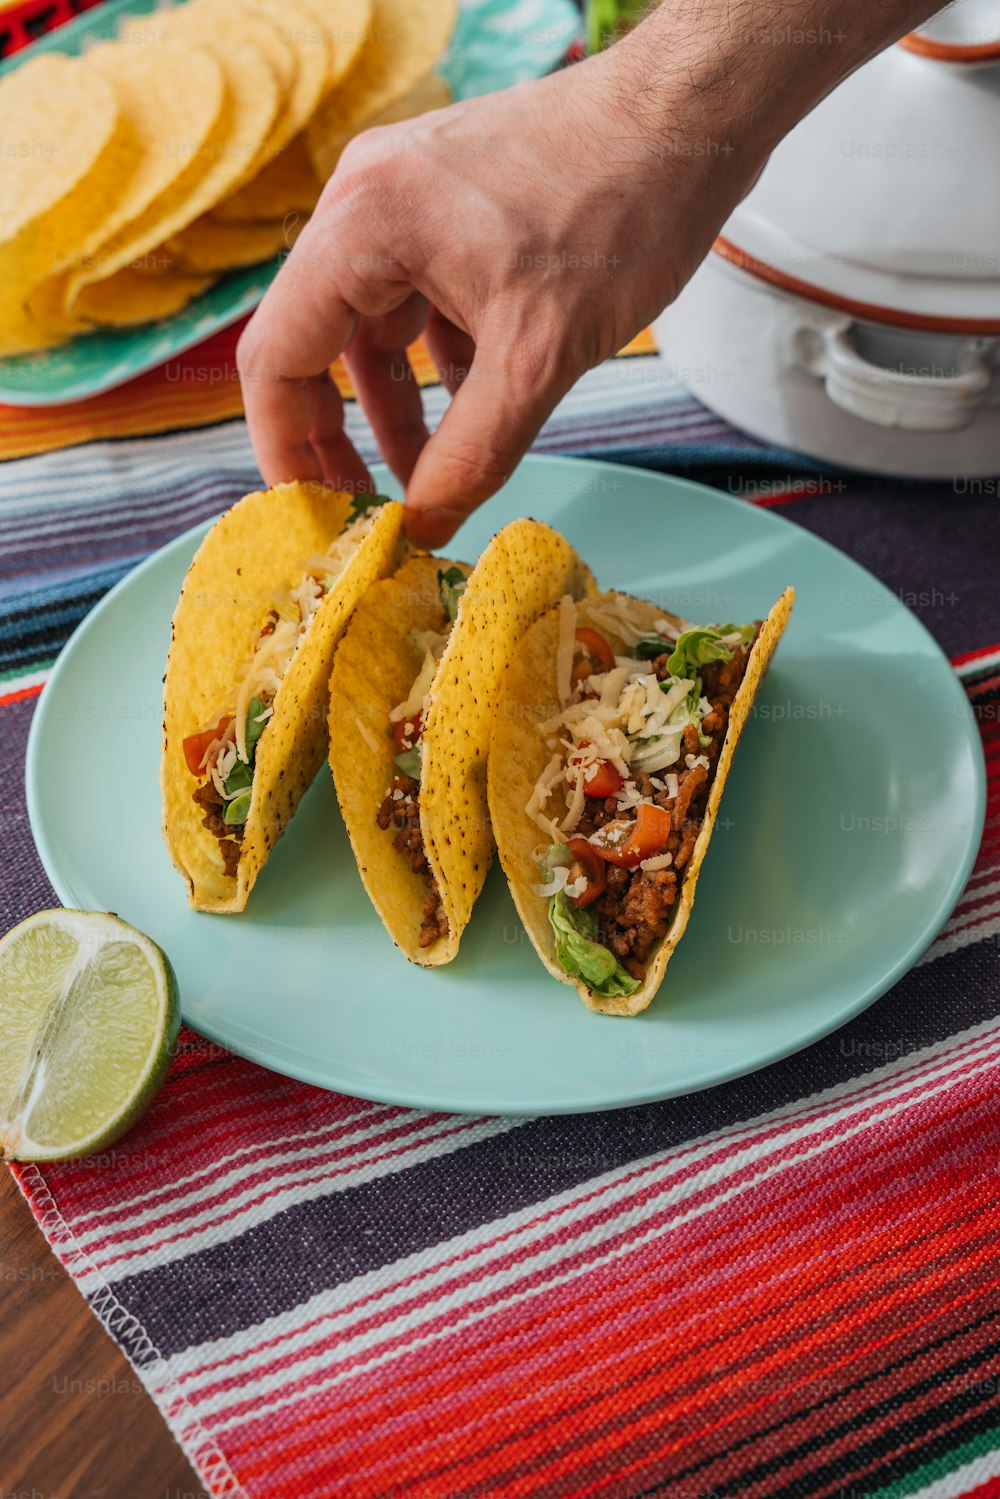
(690, 104)
(736, 75)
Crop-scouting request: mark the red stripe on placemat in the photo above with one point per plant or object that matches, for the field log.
(983, 650)
(462, 1376)
(19, 696)
(796, 492)
(988, 1490)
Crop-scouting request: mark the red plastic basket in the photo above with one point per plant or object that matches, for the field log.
(21, 24)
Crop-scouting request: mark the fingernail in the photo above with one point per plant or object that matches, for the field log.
(432, 528)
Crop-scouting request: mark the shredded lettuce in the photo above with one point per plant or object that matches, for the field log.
(409, 762)
(255, 727)
(651, 646)
(556, 856)
(240, 778)
(452, 585)
(703, 644)
(697, 648)
(580, 955)
(236, 810)
(745, 632)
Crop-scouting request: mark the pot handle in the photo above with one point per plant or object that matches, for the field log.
(887, 397)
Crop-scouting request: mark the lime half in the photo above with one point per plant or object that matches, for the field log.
(88, 1023)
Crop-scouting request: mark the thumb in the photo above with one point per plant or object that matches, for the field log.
(491, 423)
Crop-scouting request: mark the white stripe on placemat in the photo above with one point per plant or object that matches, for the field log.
(140, 466)
(24, 681)
(970, 1476)
(978, 663)
(978, 926)
(217, 1224)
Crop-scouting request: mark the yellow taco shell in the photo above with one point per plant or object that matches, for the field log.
(519, 754)
(253, 552)
(526, 568)
(406, 42)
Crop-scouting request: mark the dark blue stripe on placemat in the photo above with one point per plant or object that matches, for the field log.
(35, 625)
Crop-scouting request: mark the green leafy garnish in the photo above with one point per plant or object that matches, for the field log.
(701, 645)
(362, 502)
(580, 955)
(745, 632)
(409, 763)
(451, 585)
(240, 778)
(651, 646)
(238, 809)
(254, 726)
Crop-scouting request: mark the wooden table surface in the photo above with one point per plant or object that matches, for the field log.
(75, 1422)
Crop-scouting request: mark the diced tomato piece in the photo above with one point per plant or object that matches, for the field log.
(602, 779)
(595, 647)
(195, 745)
(404, 740)
(646, 838)
(588, 862)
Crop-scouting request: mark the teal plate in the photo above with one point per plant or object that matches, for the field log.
(496, 43)
(848, 827)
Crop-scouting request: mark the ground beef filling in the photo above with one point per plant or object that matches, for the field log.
(635, 908)
(212, 802)
(403, 813)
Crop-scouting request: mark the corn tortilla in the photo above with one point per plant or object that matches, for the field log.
(289, 182)
(408, 38)
(72, 155)
(251, 553)
(133, 296)
(165, 94)
(296, 25)
(209, 246)
(221, 161)
(526, 567)
(519, 754)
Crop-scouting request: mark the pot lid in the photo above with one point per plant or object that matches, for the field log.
(885, 196)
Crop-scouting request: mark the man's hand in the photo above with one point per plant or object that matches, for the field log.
(527, 235)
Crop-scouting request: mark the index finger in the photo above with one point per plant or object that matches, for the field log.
(306, 319)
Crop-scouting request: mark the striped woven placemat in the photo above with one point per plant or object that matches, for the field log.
(781, 1287)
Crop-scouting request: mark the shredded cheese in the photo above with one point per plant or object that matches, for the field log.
(564, 648)
(331, 564)
(555, 882)
(577, 802)
(625, 717)
(419, 693)
(658, 861)
(273, 652)
(368, 737)
(619, 616)
(543, 790)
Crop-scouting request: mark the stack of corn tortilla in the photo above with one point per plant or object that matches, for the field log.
(196, 142)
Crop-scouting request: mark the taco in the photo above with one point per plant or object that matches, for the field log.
(263, 606)
(411, 701)
(615, 730)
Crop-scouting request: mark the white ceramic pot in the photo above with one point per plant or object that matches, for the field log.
(851, 307)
